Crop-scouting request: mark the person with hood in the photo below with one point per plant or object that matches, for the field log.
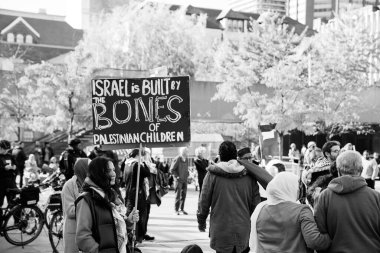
(69, 194)
(280, 224)
(348, 210)
(232, 196)
(100, 211)
(69, 156)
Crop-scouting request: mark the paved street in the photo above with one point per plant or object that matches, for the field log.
(172, 232)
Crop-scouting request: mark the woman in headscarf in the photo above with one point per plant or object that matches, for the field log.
(69, 194)
(281, 224)
(101, 211)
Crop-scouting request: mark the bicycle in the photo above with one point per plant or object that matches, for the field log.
(56, 231)
(54, 201)
(22, 221)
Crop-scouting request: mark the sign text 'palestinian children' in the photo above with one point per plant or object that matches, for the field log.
(141, 110)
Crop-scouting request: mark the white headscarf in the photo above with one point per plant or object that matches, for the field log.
(283, 187)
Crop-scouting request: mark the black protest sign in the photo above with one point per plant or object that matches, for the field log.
(141, 110)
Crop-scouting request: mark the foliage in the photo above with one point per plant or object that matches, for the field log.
(147, 36)
(243, 65)
(60, 95)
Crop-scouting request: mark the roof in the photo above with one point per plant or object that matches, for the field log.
(214, 16)
(51, 31)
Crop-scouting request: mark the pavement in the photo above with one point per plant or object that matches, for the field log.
(172, 232)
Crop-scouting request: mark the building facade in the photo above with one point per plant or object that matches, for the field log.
(258, 6)
(314, 12)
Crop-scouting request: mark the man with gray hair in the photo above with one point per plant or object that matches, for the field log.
(180, 171)
(348, 210)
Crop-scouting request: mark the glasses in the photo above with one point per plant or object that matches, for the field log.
(246, 158)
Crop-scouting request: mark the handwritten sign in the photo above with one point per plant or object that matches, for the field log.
(141, 110)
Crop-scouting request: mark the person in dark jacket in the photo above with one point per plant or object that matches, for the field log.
(200, 165)
(180, 171)
(130, 178)
(232, 196)
(7, 172)
(69, 157)
(47, 153)
(20, 157)
(100, 212)
(348, 210)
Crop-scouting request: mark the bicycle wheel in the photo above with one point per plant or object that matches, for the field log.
(56, 232)
(23, 225)
(47, 217)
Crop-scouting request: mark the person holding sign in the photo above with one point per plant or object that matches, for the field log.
(179, 170)
(130, 177)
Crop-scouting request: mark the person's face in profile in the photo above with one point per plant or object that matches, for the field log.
(111, 173)
(247, 157)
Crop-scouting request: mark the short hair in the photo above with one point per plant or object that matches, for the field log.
(328, 145)
(199, 150)
(227, 151)
(182, 149)
(243, 151)
(135, 152)
(4, 144)
(349, 163)
(280, 167)
(366, 151)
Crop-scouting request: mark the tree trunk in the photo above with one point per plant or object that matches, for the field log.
(71, 112)
(280, 146)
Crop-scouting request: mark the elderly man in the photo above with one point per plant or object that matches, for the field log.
(348, 210)
(180, 171)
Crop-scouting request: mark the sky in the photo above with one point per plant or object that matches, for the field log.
(72, 8)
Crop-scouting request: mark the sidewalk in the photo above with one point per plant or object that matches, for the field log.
(172, 232)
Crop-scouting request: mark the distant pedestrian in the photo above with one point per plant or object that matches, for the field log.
(47, 153)
(37, 152)
(180, 171)
(69, 157)
(370, 169)
(7, 173)
(348, 210)
(294, 153)
(280, 224)
(100, 211)
(70, 193)
(201, 165)
(232, 195)
(20, 157)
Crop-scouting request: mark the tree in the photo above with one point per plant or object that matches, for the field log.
(148, 36)
(60, 95)
(329, 72)
(242, 65)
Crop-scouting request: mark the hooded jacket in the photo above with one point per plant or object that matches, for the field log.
(349, 212)
(232, 196)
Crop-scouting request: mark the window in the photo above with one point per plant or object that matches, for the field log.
(29, 39)
(10, 37)
(20, 38)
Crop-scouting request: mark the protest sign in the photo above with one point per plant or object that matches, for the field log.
(141, 110)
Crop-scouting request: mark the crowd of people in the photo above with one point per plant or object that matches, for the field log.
(330, 207)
